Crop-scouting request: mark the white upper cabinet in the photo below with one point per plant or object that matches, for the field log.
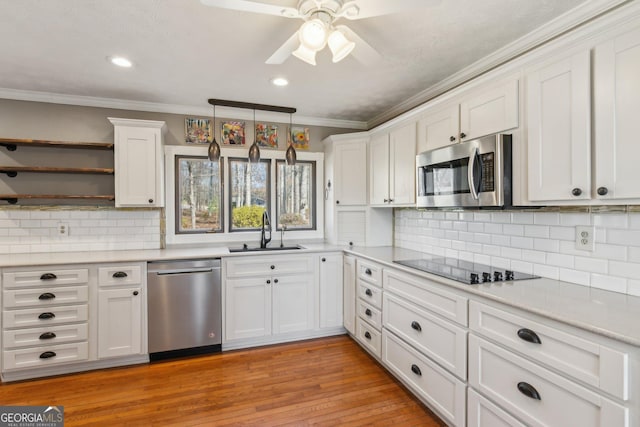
(616, 106)
(393, 164)
(350, 173)
(438, 128)
(558, 129)
(138, 161)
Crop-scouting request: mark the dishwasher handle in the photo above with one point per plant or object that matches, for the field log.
(185, 271)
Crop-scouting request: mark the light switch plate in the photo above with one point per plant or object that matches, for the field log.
(585, 237)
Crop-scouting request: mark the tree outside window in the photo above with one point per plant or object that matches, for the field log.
(249, 193)
(199, 195)
(296, 195)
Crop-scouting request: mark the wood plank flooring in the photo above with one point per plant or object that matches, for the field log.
(328, 381)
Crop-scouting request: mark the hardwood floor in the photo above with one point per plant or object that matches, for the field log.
(329, 381)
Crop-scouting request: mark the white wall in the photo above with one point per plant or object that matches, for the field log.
(542, 243)
(32, 231)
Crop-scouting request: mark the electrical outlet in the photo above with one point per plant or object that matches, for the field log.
(585, 237)
(63, 229)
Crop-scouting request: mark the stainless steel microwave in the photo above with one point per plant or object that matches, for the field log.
(475, 173)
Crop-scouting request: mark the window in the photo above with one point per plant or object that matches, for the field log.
(295, 195)
(198, 195)
(249, 193)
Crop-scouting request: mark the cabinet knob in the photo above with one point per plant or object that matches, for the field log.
(46, 296)
(268, 282)
(367, 335)
(576, 191)
(462, 135)
(386, 200)
(275, 280)
(324, 259)
(415, 325)
(135, 293)
(150, 200)
(367, 312)
(367, 272)
(390, 200)
(602, 191)
(452, 138)
(273, 267)
(337, 202)
(368, 292)
(528, 390)
(416, 370)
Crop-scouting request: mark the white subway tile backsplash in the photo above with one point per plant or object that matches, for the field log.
(572, 219)
(544, 270)
(634, 221)
(522, 242)
(522, 266)
(629, 270)
(536, 231)
(633, 287)
(560, 260)
(608, 283)
(611, 220)
(475, 227)
(546, 245)
(624, 237)
(634, 254)
(482, 216)
(522, 218)
(513, 229)
(501, 217)
(546, 218)
(537, 257)
(614, 252)
(592, 265)
(575, 276)
(562, 233)
(493, 228)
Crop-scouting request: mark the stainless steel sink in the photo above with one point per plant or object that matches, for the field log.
(246, 248)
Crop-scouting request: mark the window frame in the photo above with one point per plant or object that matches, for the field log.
(314, 197)
(268, 204)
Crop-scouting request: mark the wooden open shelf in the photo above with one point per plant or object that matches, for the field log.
(13, 198)
(12, 171)
(12, 143)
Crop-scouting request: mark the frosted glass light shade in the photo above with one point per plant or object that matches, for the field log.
(305, 54)
(313, 34)
(340, 46)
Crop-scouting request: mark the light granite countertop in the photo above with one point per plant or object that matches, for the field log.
(611, 314)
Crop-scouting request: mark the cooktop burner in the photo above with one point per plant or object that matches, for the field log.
(464, 271)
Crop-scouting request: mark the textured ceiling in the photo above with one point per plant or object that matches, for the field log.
(185, 52)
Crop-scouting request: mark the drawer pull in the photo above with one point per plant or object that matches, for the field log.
(44, 316)
(415, 325)
(47, 355)
(367, 335)
(416, 370)
(368, 272)
(48, 276)
(367, 312)
(368, 292)
(46, 296)
(47, 336)
(529, 336)
(119, 275)
(273, 267)
(528, 390)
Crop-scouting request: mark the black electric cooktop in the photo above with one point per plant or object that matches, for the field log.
(467, 272)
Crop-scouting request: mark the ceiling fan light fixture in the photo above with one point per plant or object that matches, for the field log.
(305, 54)
(313, 34)
(340, 46)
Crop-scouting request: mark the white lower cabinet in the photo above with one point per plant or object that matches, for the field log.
(482, 413)
(330, 289)
(369, 337)
(444, 393)
(349, 294)
(536, 395)
(248, 308)
(293, 303)
(119, 322)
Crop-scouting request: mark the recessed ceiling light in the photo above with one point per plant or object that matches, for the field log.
(120, 61)
(280, 81)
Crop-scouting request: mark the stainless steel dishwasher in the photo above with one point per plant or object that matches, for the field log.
(185, 308)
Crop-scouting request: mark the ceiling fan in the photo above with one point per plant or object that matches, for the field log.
(319, 29)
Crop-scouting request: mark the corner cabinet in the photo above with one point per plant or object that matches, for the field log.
(138, 162)
(330, 289)
(393, 164)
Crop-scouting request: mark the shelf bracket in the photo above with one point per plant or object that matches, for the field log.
(10, 174)
(10, 200)
(9, 147)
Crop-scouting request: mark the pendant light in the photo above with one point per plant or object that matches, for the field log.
(214, 148)
(254, 150)
(290, 155)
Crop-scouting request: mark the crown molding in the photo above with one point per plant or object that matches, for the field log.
(566, 22)
(123, 104)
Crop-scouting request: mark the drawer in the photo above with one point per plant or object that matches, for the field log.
(45, 276)
(44, 356)
(369, 337)
(129, 274)
(369, 272)
(443, 392)
(482, 413)
(536, 395)
(370, 294)
(51, 335)
(370, 314)
(428, 294)
(45, 297)
(439, 339)
(247, 265)
(34, 317)
(584, 360)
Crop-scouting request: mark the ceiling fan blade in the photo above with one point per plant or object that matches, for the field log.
(367, 9)
(363, 51)
(254, 7)
(284, 51)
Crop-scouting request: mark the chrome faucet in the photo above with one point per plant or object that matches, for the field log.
(266, 222)
(282, 230)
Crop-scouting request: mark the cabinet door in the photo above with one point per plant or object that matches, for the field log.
(402, 173)
(137, 179)
(247, 308)
(379, 169)
(330, 290)
(617, 102)
(350, 175)
(349, 294)
(293, 303)
(559, 129)
(119, 322)
(439, 128)
(491, 111)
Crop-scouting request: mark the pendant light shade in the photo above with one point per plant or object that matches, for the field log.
(290, 156)
(214, 148)
(305, 54)
(340, 46)
(254, 150)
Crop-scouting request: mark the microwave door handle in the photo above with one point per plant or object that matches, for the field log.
(470, 169)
